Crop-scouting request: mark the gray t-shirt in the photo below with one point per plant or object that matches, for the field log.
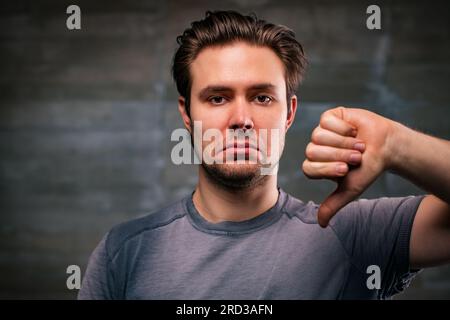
(281, 254)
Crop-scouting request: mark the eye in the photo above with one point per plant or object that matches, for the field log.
(263, 99)
(217, 100)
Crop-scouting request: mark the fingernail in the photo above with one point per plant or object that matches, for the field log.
(360, 146)
(341, 168)
(322, 223)
(355, 157)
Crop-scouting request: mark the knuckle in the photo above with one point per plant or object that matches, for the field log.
(340, 108)
(354, 190)
(324, 118)
(349, 130)
(315, 136)
(348, 143)
(305, 166)
(309, 151)
(306, 169)
(342, 155)
(340, 111)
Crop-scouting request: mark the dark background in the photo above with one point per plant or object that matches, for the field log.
(86, 115)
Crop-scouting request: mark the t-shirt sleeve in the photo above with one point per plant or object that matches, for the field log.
(97, 279)
(377, 232)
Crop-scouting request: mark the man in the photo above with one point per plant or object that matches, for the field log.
(239, 236)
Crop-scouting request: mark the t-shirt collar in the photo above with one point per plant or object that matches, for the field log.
(237, 227)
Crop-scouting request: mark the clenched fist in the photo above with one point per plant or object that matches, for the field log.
(351, 147)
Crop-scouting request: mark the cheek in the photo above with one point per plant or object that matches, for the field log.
(274, 121)
(272, 117)
(210, 117)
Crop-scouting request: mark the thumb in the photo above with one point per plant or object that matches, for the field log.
(336, 201)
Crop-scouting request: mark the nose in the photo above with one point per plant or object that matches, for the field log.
(241, 117)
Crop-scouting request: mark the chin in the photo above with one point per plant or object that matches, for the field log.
(234, 175)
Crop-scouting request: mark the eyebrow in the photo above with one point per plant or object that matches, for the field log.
(203, 94)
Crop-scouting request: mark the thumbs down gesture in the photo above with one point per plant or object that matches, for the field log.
(351, 147)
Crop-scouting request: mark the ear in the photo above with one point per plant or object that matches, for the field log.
(183, 112)
(291, 115)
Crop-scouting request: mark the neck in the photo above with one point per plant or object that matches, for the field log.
(216, 203)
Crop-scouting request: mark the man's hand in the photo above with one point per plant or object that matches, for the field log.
(387, 145)
(351, 147)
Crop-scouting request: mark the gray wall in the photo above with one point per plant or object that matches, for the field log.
(86, 116)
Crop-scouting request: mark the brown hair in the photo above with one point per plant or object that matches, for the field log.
(223, 27)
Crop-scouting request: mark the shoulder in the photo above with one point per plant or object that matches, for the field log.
(122, 233)
(297, 209)
(358, 214)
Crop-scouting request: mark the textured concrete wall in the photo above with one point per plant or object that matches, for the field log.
(86, 116)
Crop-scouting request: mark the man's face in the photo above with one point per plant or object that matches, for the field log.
(240, 86)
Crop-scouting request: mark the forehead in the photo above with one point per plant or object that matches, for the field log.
(236, 64)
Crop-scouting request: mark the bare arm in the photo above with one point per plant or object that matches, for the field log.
(425, 161)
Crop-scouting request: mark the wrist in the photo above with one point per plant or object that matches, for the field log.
(398, 144)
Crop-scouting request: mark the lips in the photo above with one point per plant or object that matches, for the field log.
(241, 145)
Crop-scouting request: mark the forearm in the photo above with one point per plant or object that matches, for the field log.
(420, 158)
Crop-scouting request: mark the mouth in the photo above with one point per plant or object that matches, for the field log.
(241, 145)
(241, 150)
